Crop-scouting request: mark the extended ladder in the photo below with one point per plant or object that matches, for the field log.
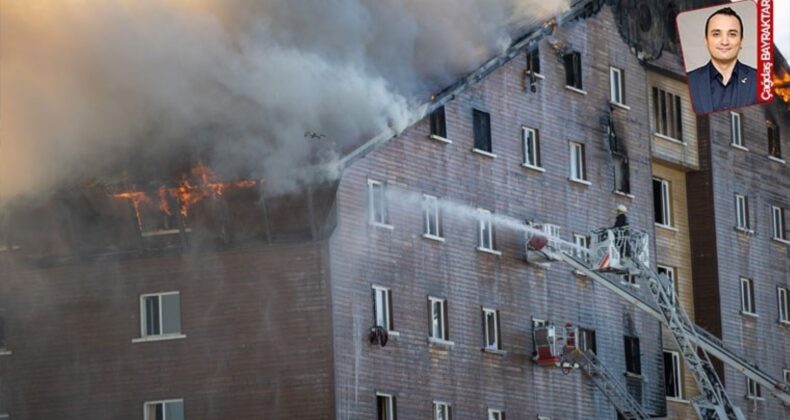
(608, 383)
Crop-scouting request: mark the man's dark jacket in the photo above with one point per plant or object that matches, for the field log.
(699, 80)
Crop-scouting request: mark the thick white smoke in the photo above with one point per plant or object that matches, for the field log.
(88, 86)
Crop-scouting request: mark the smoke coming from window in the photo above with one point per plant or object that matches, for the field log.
(93, 89)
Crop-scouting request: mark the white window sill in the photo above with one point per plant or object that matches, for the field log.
(440, 139)
(739, 147)
(749, 314)
(784, 323)
(632, 375)
(781, 241)
(158, 338)
(577, 90)
(579, 273)
(163, 232)
(537, 75)
(382, 225)
(489, 350)
(580, 181)
(749, 397)
(670, 139)
(678, 400)
(5, 352)
(747, 231)
(440, 343)
(620, 193)
(489, 251)
(667, 227)
(776, 159)
(393, 334)
(484, 153)
(433, 237)
(619, 105)
(534, 168)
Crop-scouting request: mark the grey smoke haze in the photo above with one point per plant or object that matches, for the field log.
(88, 86)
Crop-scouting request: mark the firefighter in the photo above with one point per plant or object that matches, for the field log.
(622, 220)
(621, 231)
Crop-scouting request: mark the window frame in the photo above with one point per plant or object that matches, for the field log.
(783, 304)
(482, 133)
(494, 414)
(774, 138)
(386, 300)
(670, 272)
(389, 400)
(443, 325)
(666, 202)
(667, 115)
(533, 57)
(146, 404)
(778, 223)
(741, 211)
(633, 364)
(372, 210)
(431, 212)
(736, 130)
(616, 85)
(577, 162)
(144, 317)
(582, 241)
(531, 135)
(677, 372)
(748, 302)
(572, 62)
(438, 123)
(447, 410)
(485, 219)
(583, 341)
(488, 335)
(753, 390)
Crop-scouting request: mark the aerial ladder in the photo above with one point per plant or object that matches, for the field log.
(626, 251)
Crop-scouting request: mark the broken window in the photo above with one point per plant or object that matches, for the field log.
(578, 170)
(622, 178)
(382, 307)
(747, 296)
(778, 223)
(736, 131)
(741, 211)
(160, 314)
(672, 377)
(661, 202)
(573, 70)
(774, 141)
(667, 114)
(438, 123)
(377, 202)
(633, 356)
(438, 312)
(385, 406)
(531, 147)
(431, 221)
(164, 410)
(491, 329)
(616, 86)
(482, 131)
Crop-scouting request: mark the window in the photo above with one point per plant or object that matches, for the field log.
(778, 223)
(382, 307)
(753, 389)
(485, 229)
(774, 141)
(661, 202)
(582, 242)
(441, 411)
(438, 123)
(161, 314)
(496, 414)
(616, 91)
(491, 329)
(633, 363)
(2, 334)
(377, 201)
(672, 378)
(786, 373)
(783, 304)
(531, 147)
(747, 296)
(578, 171)
(385, 406)
(164, 410)
(670, 273)
(622, 175)
(431, 221)
(736, 131)
(667, 115)
(587, 340)
(573, 70)
(533, 62)
(482, 128)
(538, 323)
(741, 212)
(438, 313)
(629, 280)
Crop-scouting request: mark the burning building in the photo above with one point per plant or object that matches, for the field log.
(395, 280)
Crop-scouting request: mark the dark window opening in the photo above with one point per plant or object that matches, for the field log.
(774, 141)
(438, 124)
(632, 355)
(587, 340)
(573, 70)
(672, 376)
(622, 181)
(482, 129)
(533, 62)
(667, 114)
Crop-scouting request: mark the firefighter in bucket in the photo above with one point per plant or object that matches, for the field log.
(621, 232)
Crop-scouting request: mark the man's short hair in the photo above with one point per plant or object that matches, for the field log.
(727, 11)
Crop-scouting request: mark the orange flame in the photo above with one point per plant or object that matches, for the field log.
(782, 86)
(137, 198)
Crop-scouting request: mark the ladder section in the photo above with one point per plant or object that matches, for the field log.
(607, 382)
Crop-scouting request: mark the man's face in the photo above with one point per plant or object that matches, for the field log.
(723, 38)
